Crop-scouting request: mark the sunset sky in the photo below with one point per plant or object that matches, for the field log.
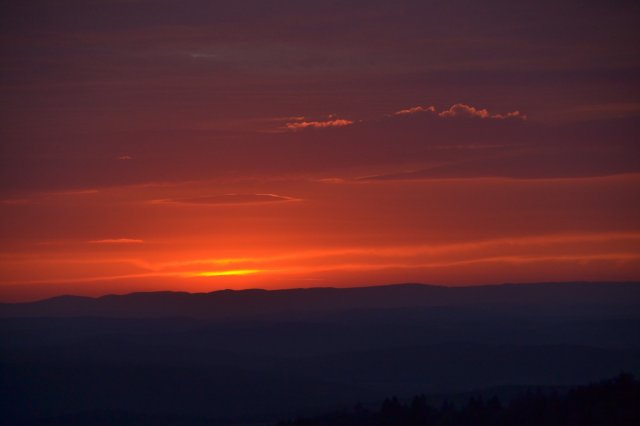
(197, 145)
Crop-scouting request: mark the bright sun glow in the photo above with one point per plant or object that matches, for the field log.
(224, 273)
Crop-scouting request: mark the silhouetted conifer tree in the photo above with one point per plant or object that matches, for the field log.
(615, 402)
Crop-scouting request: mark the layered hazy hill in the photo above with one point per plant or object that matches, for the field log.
(241, 357)
(227, 304)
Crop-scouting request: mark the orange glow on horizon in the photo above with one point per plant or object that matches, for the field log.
(335, 235)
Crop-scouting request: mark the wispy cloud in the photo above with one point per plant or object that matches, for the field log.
(464, 110)
(460, 110)
(117, 241)
(600, 111)
(124, 158)
(512, 114)
(558, 246)
(73, 193)
(455, 110)
(226, 199)
(301, 124)
(334, 180)
(44, 196)
(415, 110)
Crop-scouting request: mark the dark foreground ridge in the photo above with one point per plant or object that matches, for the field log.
(613, 403)
(257, 357)
(225, 304)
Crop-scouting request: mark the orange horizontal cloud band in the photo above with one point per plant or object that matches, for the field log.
(355, 267)
(568, 248)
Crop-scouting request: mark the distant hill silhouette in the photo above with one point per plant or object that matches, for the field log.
(227, 304)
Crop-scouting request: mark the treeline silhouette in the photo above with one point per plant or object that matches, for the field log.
(614, 402)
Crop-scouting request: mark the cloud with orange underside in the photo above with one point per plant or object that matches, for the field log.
(460, 110)
(456, 110)
(464, 110)
(415, 110)
(302, 124)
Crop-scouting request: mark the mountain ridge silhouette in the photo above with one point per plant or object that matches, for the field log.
(229, 303)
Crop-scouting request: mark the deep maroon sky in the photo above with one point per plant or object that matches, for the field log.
(203, 144)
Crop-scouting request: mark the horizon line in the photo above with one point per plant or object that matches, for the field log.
(355, 287)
